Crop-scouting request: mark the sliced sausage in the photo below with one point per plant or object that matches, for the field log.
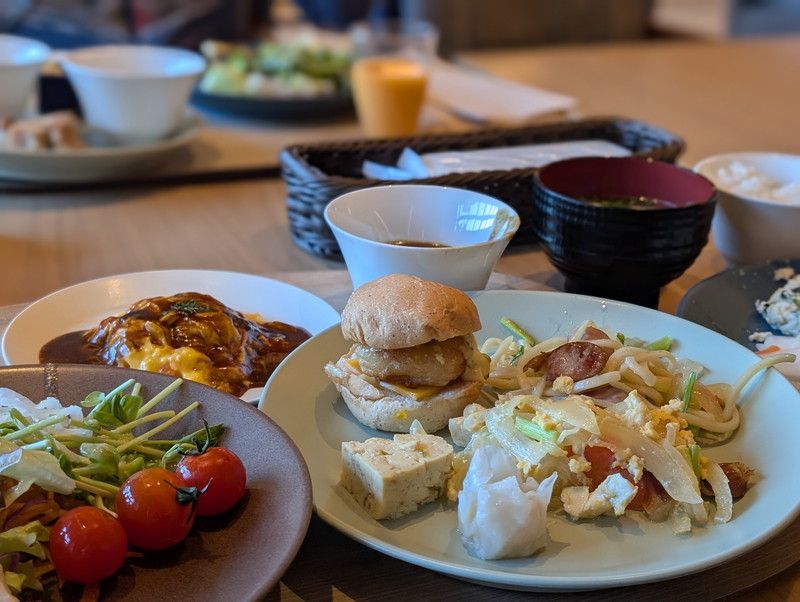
(738, 476)
(606, 395)
(594, 334)
(578, 360)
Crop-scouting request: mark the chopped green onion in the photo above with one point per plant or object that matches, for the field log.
(36, 426)
(155, 430)
(144, 419)
(120, 388)
(518, 330)
(518, 354)
(621, 338)
(694, 458)
(534, 430)
(662, 344)
(158, 398)
(687, 392)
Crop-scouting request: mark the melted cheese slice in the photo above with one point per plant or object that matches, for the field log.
(415, 393)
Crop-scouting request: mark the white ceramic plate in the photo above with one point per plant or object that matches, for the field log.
(93, 163)
(83, 305)
(590, 555)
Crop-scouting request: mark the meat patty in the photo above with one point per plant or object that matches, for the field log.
(436, 363)
(578, 360)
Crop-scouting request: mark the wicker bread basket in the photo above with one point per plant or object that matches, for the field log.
(316, 174)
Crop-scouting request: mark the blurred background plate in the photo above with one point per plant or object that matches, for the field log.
(725, 302)
(295, 110)
(93, 163)
(237, 556)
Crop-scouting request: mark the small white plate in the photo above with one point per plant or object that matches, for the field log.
(587, 555)
(84, 305)
(93, 163)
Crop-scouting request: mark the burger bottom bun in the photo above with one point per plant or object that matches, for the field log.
(394, 413)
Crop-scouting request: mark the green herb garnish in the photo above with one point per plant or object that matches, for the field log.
(190, 307)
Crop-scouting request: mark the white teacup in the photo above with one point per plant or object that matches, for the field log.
(475, 228)
(20, 62)
(136, 93)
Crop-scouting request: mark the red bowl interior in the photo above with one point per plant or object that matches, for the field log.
(627, 177)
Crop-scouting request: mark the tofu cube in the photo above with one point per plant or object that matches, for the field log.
(393, 478)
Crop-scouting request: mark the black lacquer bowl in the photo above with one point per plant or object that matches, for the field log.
(612, 250)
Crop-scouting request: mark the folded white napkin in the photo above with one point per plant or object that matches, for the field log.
(481, 97)
(411, 165)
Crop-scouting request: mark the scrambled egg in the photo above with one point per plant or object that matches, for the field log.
(185, 362)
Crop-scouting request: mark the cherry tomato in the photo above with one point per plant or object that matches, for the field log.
(222, 472)
(87, 545)
(155, 508)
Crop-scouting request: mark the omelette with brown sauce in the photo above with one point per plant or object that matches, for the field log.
(190, 335)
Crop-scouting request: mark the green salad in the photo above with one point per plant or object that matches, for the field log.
(271, 69)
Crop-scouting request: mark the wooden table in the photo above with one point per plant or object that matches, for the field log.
(719, 96)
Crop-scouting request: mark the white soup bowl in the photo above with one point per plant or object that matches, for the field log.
(751, 230)
(20, 61)
(475, 227)
(136, 93)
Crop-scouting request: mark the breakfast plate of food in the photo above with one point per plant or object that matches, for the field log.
(761, 309)
(535, 440)
(224, 329)
(101, 503)
(300, 79)
(59, 147)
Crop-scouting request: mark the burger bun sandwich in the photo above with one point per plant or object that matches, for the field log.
(414, 355)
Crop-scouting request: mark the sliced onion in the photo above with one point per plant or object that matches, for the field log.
(572, 410)
(501, 426)
(666, 463)
(722, 492)
(595, 382)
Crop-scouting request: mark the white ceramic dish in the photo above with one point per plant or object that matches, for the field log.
(751, 230)
(476, 227)
(94, 163)
(580, 556)
(138, 93)
(83, 305)
(20, 61)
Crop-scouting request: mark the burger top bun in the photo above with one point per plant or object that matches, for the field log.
(400, 311)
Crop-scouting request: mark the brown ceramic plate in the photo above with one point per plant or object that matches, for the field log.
(238, 556)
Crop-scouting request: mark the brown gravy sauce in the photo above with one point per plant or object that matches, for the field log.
(70, 348)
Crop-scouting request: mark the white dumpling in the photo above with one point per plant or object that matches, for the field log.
(500, 515)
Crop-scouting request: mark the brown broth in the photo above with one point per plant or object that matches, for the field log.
(418, 243)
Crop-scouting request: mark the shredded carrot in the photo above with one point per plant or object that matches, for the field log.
(768, 350)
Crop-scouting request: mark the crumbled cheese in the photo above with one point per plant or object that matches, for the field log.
(391, 478)
(579, 465)
(651, 431)
(624, 454)
(633, 410)
(563, 385)
(636, 468)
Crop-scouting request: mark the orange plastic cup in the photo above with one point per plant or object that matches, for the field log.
(388, 93)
